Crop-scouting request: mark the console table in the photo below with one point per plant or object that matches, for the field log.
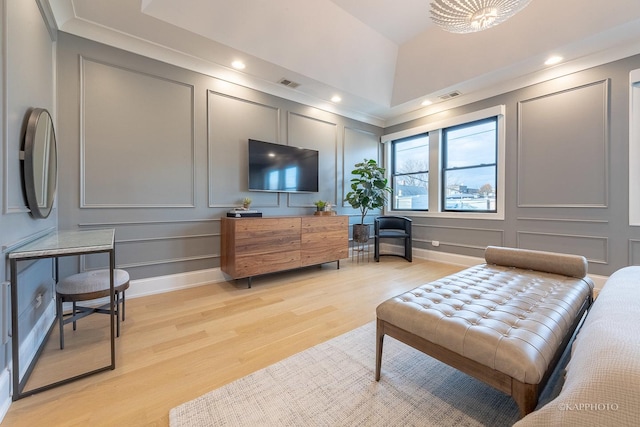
(254, 246)
(55, 245)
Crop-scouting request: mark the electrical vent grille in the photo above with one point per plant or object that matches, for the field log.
(289, 83)
(449, 95)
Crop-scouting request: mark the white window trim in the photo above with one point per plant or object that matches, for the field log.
(634, 147)
(498, 111)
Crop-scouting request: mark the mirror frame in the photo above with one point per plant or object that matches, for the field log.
(40, 136)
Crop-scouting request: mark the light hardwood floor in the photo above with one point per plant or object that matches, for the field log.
(177, 346)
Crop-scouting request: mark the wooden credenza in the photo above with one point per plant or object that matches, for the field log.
(254, 246)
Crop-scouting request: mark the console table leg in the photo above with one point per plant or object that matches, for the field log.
(249, 282)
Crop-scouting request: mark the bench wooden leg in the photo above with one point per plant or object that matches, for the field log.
(525, 395)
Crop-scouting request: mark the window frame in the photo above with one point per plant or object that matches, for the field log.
(444, 169)
(434, 129)
(393, 174)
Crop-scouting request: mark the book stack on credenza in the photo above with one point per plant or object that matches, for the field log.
(244, 213)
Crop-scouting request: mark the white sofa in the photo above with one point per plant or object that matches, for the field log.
(602, 378)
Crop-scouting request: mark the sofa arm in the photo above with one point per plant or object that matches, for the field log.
(549, 262)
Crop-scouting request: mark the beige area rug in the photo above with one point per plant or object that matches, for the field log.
(332, 384)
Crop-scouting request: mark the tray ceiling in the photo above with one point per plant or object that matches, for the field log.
(383, 58)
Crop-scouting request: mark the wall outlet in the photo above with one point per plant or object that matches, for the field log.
(38, 300)
(435, 242)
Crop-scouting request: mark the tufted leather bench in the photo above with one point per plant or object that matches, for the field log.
(505, 322)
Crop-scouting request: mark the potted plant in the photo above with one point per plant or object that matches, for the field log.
(369, 190)
(320, 205)
(246, 202)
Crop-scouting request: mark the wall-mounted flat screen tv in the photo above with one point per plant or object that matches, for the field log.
(283, 168)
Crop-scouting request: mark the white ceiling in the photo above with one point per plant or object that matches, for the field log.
(382, 57)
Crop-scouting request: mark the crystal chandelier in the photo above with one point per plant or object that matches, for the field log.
(468, 16)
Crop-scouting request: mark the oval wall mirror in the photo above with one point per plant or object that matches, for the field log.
(40, 171)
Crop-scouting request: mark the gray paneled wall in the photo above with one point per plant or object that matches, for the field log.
(137, 149)
(566, 172)
(160, 154)
(164, 176)
(563, 132)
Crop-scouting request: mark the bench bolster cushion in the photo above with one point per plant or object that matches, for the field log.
(549, 262)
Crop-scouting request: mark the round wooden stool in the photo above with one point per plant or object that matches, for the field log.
(88, 286)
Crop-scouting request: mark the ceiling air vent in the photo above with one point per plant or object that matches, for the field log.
(449, 95)
(289, 83)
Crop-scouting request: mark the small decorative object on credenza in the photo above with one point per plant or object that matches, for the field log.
(243, 213)
(320, 205)
(323, 208)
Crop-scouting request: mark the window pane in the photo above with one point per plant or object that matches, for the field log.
(411, 191)
(411, 155)
(472, 189)
(410, 173)
(471, 145)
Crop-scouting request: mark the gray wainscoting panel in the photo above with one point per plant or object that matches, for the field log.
(634, 252)
(137, 142)
(358, 145)
(462, 237)
(563, 141)
(231, 123)
(177, 249)
(310, 132)
(594, 248)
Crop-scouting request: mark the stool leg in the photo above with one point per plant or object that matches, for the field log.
(117, 308)
(73, 314)
(123, 301)
(60, 320)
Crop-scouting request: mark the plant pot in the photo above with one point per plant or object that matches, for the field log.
(361, 233)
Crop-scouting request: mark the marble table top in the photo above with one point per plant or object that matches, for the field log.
(64, 242)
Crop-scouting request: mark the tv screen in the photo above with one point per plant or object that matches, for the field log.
(276, 167)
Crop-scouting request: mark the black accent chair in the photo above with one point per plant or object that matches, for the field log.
(393, 227)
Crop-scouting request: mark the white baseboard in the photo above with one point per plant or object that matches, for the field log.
(5, 392)
(174, 282)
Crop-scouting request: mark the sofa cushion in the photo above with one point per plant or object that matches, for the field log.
(602, 381)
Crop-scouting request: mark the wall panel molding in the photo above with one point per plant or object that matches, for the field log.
(565, 220)
(457, 236)
(317, 134)
(240, 120)
(126, 118)
(151, 222)
(634, 252)
(367, 145)
(552, 130)
(594, 248)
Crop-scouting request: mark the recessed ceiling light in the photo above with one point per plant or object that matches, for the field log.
(553, 60)
(336, 98)
(238, 65)
(426, 102)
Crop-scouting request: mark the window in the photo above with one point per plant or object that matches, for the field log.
(452, 168)
(410, 173)
(469, 156)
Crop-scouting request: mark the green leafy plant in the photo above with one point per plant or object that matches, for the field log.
(246, 202)
(320, 204)
(369, 189)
